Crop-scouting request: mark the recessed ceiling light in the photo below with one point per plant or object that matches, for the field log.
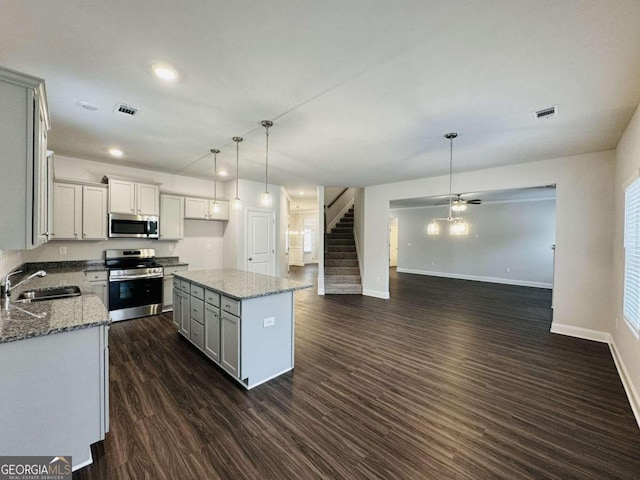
(301, 193)
(164, 71)
(223, 173)
(88, 106)
(116, 152)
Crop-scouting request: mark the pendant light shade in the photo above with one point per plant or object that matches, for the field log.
(266, 200)
(236, 204)
(216, 205)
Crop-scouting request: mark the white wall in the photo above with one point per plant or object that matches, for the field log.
(626, 346)
(514, 236)
(584, 188)
(235, 233)
(9, 260)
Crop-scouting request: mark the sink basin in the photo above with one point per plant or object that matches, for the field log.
(52, 293)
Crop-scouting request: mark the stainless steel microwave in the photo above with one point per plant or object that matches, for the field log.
(133, 226)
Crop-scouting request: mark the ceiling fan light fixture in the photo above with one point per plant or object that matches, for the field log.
(458, 207)
(459, 228)
(433, 228)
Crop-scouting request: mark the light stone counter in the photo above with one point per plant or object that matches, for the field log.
(241, 285)
(26, 320)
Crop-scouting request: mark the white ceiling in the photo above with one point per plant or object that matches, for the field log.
(361, 92)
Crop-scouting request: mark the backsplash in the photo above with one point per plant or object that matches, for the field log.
(9, 260)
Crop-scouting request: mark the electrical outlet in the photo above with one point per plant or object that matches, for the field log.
(62, 250)
(208, 247)
(170, 248)
(433, 264)
(508, 270)
(269, 322)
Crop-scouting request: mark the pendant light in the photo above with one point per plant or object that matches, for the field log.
(216, 205)
(457, 225)
(265, 199)
(237, 205)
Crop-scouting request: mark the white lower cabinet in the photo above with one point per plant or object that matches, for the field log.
(230, 343)
(212, 332)
(56, 393)
(100, 285)
(169, 285)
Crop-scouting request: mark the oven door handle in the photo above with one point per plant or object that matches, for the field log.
(135, 277)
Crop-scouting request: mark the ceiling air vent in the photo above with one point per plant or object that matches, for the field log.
(126, 109)
(546, 112)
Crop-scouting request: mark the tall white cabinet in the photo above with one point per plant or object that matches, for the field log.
(25, 178)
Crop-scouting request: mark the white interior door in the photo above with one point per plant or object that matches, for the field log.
(393, 245)
(260, 242)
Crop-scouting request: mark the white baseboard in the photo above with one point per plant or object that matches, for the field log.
(477, 278)
(632, 393)
(375, 293)
(605, 337)
(579, 332)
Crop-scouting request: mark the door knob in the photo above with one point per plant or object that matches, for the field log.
(250, 259)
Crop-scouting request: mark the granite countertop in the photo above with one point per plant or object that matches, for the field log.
(26, 320)
(241, 285)
(170, 262)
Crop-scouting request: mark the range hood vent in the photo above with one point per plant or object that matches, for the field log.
(546, 112)
(126, 109)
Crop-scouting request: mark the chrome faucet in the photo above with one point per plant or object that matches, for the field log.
(8, 288)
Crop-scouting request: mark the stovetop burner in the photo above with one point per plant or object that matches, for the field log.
(134, 258)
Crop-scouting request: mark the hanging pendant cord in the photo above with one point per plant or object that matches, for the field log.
(450, 172)
(266, 163)
(237, 166)
(215, 177)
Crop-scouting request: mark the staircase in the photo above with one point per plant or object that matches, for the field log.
(341, 271)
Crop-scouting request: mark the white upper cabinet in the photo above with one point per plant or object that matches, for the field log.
(147, 197)
(133, 197)
(94, 212)
(122, 197)
(171, 217)
(79, 212)
(24, 181)
(202, 209)
(197, 208)
(67, 211)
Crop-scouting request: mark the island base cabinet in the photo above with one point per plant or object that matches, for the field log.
(230, 344)
(266, 337)
(212, 332)
(55, 396)
(251, 339)
(177, 306)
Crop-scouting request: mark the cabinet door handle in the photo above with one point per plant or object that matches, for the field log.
(251, 259)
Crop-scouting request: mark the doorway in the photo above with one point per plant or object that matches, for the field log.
(260, 241)
(393, 242)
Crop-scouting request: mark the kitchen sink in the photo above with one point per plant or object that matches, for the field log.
(52, 293)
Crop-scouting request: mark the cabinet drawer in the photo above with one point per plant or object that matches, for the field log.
(197, 334)
(172, 270)
(212, 298)
(93, 276)
(197, 292)
(185, 286)
(230, 305)
(197, 310)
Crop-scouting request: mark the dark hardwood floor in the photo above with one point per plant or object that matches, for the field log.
(449, 379)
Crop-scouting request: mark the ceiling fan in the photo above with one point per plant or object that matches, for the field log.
(459, 204)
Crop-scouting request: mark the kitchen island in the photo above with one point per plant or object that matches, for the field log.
(242, 321)
(55, 372)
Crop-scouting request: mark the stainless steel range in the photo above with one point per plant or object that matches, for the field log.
(135, 283)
